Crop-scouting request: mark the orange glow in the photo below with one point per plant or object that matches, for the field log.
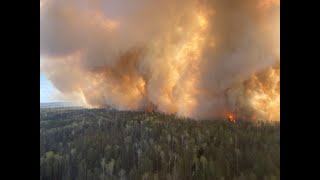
(184, 61)
(232, 117)
(264, 96)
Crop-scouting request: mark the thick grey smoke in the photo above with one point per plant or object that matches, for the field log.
(183, 56)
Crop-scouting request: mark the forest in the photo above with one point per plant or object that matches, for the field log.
(102, 144)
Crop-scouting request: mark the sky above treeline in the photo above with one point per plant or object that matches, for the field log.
(46, 89)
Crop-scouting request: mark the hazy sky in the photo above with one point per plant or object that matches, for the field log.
(46, 89)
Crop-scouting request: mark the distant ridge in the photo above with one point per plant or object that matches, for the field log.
(58, 104)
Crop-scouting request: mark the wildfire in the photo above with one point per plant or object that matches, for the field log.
(231, 117)
(181, 60)
(264, 94)
(182, 51)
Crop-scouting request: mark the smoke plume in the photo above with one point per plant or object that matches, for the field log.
(196, 58)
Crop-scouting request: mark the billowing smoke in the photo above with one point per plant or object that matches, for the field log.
(195, 58)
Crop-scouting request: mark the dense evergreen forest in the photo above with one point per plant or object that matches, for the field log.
(85, 144)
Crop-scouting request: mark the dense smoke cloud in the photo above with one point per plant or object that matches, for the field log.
(191, 57)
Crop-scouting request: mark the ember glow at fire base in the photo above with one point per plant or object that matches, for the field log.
(201, 59)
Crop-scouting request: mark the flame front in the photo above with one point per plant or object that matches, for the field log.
(264, 94)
